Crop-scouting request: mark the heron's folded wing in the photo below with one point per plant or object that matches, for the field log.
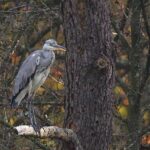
(26, 72)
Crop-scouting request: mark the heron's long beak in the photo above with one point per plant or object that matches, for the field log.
(59, 47)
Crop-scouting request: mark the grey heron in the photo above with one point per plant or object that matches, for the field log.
(32, 74)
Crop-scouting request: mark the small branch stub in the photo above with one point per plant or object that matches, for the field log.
(102, 63)
(64, 134)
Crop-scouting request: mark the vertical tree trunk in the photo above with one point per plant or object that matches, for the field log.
(89, 69)
(135, 79)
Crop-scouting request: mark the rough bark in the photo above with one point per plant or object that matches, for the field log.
(89, 71)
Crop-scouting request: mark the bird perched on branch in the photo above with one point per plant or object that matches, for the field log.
(32, 74)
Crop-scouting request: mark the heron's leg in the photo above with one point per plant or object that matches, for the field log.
(32, 114)
(33, 111)
(30, 110)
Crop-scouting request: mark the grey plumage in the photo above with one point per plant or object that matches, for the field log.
(33, 72)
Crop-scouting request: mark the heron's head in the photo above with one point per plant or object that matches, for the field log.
(51, 44)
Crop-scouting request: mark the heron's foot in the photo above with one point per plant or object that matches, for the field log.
(32, 116)
(36, 128)
(34, 124)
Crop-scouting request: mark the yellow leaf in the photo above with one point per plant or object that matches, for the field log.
(146, 118)
(123, 111)
(118, 91)
(40, 91)
(54, 84)
(12, 121)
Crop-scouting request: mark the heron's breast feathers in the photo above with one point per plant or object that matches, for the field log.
(39, 79)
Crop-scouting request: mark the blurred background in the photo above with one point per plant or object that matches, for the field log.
(24, 27)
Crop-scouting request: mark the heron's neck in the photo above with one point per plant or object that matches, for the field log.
(47, 47)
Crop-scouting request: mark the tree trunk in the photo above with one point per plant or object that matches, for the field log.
(134, 120)
(89, 72)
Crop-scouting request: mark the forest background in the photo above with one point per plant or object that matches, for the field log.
(25, 25)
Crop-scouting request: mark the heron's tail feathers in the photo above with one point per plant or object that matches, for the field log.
(14, 102)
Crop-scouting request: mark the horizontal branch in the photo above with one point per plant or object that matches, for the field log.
(122, 65)
(7, 106)
(145, 131)
(37, 142)
(64, 134)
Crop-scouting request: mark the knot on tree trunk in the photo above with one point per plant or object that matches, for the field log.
(102, 62)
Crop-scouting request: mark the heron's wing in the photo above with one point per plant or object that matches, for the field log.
(26, 72)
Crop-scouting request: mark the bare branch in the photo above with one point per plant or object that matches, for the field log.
(147, 70)
(125, 43)
(66, 135)
(122, 65)
(145, 131)
(40, 145)
(40, 36)
(125, 16)
(7, 105)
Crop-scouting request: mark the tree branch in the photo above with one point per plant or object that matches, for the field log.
(66, 135)
(122, 65)
(37, 142)
(7, 105)
(39, 37)
(145, 131)
(124, 42)
(126, 14)
(147, 70)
